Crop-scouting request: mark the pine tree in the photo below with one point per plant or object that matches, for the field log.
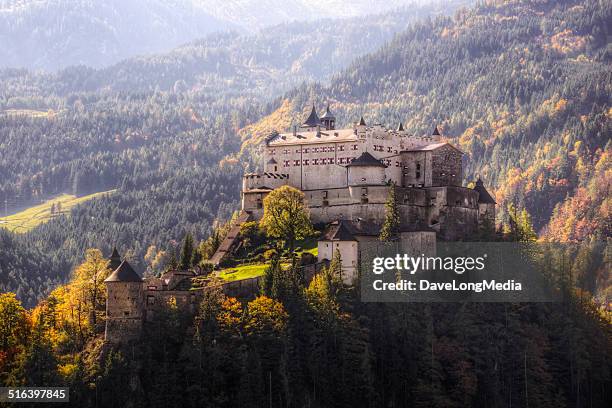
(391, 225)
(186, 252)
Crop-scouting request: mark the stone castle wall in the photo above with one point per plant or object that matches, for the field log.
(124, 311)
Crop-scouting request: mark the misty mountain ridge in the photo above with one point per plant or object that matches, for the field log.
(52, 34)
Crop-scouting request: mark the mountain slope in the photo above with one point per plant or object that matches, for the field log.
(53, 34)
(523, 87)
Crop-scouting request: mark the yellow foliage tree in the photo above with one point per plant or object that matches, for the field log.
(265, 316)
(230, 317)
(285, 215)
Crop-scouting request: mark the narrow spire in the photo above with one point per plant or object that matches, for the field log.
(400, 127)
(362, 122)
(436, 132)
(313, 119)
(115, 259)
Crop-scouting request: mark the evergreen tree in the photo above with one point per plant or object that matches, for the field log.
(186, 253)
(391, 224)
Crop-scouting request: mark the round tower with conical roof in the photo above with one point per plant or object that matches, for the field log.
(124, 305)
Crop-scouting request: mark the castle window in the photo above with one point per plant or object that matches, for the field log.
(286, 151)
(405, 198)
(297, 150)
(397, 164)
(323, 161)
(389, 149)
(305, 162)
(259, 203)
(418, 166)
(324, 194)
(315, 150)
(315, 161)
(305, 150)
(275, 168)
(363, 179)
(126, 313)
(150, 300)
(286, 163)
(331, 160)
(341, 148)
(354, 147)
(296, 162)
(151, 287)
(418, 174)
(364, 190)
(341, 160)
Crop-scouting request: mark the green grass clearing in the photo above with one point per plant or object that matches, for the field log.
(241, 272)
(30, 218)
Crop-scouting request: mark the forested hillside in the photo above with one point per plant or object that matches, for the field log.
(522, 87)
(157, 129)
(55, 34)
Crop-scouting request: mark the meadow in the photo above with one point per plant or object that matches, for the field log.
(31, 217)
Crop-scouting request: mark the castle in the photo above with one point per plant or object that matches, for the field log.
(345, 175)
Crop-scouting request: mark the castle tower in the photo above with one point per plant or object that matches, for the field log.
(364, 171)
(124, 305)
(486, 203)
(328, 120)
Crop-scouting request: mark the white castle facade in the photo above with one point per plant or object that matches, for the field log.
(346, 175)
